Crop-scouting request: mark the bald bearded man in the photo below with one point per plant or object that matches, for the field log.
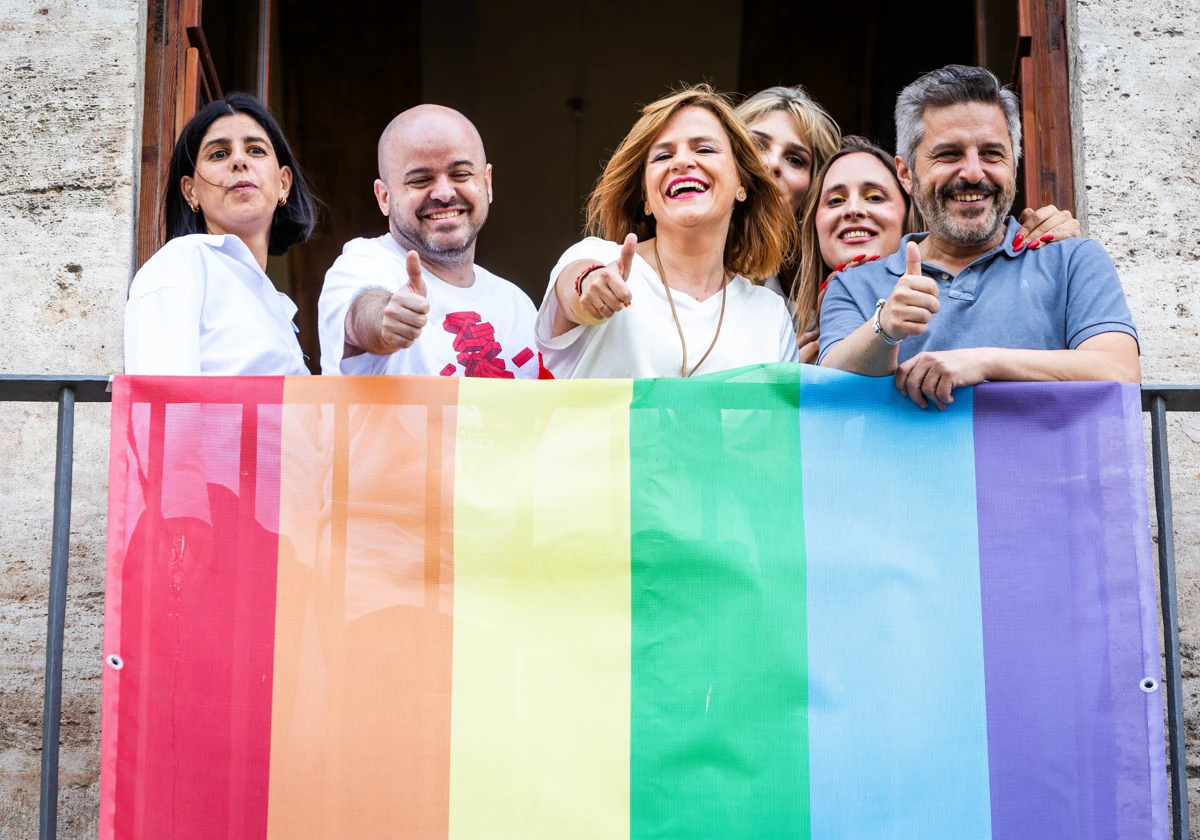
(413, 301)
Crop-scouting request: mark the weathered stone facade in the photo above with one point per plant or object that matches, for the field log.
(70, 102)
(1135, 90)
(70, 99)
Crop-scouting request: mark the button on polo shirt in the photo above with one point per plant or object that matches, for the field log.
(1052, 298)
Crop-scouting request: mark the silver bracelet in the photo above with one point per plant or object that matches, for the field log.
(875, 325)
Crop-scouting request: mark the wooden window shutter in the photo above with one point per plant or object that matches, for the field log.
(161, 116)
(181, 77)
(1042, 78)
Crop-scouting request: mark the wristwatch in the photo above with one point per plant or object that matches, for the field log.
(875, 325)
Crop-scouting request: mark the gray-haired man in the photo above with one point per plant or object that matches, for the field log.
(961, 304)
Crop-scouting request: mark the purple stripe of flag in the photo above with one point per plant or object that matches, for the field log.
(1075, 746)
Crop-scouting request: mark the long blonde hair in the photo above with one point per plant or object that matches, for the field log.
(812, 121)
(814, 124)
(762, 234)
(813, 269)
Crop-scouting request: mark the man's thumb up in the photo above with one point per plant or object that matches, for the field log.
(912, 260)
(416, 283)
(913, 301)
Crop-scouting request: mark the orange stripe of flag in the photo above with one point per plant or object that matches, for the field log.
(360, 727)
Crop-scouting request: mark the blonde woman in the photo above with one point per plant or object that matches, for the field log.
(794, 135)
(684, 217)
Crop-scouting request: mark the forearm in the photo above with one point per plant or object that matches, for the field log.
(863, 352)
(1003, 365)
(568, 314)
(364, 323)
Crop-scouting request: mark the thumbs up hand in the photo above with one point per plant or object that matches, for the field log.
(407, 311)
(605, 290)
(913, 301)
(416, 280)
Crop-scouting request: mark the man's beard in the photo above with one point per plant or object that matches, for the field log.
(447, 246)
(977, 230)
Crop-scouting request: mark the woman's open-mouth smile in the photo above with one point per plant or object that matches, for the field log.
(857, 235)
(682, 188)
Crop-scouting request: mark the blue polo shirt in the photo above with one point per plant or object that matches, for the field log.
(1052, 298)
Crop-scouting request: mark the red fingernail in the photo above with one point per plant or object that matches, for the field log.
(839, 268)
(1018, 248)
(1049, 237)
(1017, 240)
(873, 258)
(824, 283)
(859, 257)
(628, 304)
(1035, 245)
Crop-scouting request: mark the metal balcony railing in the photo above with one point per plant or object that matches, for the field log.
(68, 390)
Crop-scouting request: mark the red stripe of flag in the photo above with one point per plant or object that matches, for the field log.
(187, 746)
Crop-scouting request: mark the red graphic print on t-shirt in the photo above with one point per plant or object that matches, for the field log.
(477, 347)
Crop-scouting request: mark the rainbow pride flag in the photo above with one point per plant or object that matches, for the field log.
(774, 603)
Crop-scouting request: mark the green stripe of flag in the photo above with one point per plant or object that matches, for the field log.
(719, 724)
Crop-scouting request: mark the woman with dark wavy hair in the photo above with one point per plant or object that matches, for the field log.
(204, 304)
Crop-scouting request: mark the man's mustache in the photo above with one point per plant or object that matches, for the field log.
(981, 187)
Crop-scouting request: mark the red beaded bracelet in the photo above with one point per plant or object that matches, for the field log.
(585, 273)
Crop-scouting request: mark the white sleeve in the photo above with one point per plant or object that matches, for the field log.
(346, 278)
(789, 351)
(562, 353)
(162, 316)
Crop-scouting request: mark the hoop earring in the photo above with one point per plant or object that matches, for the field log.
(195, 207)
(282, 200)
(646, 209)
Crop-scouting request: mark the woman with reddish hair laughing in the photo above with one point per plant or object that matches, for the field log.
(684, 217)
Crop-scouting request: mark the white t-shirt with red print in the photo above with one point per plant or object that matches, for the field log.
(485, 330)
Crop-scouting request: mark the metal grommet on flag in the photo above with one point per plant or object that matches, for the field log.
(1148, 685)
(115, 662)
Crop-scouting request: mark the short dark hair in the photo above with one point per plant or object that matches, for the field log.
(954, 84)
(293, 222)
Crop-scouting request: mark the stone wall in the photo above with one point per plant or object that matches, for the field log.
(70, 97)
(1136, 123)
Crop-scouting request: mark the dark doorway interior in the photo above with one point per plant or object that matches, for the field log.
(853, 57)
(346, 70)
(553, 87)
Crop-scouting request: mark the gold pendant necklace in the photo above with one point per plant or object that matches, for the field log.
(683, 371)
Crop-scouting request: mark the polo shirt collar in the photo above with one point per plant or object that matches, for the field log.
(897, 262)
